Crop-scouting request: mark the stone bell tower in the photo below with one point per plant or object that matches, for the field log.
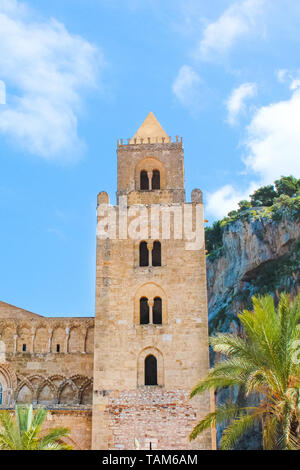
(151, 333)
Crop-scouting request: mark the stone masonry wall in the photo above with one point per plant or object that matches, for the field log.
(45, 360)
(158, 417)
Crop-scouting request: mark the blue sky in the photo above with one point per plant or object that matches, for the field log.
(76, 75)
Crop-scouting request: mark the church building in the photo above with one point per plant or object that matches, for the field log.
(122, 379)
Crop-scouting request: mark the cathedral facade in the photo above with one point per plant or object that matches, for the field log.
(122, 379)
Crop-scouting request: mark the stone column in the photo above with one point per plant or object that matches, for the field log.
(33, 332)
(15, 343)
(150, 304)
(150, 174)
(150, 248)
(84, 343)
(50, 340)
(67, 339)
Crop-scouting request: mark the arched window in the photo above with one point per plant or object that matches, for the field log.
(1, 393)
(144, 311)
(150, 370)
(144, 254)
(144, 183)
(156, 179)
(157, 311)
(156, 254)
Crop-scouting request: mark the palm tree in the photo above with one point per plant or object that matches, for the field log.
(265, 360)
(23, 433)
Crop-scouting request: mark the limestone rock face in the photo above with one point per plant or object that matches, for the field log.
(258, 257)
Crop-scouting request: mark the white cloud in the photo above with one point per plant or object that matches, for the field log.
(281, 75)
(186, 87)
(236, 102)
(295, 84)
(2, 92)
(46, 69)
(239, 19)
(273, 150)
(226, 199)
(293, 78)
(274, 140)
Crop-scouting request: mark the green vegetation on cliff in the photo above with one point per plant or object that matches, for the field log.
(272, 202)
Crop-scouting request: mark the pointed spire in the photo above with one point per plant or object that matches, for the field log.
(150, 129)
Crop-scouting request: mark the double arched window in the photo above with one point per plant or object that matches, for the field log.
(149, 180)
(150, 370)
(150, 311)
(155, 252)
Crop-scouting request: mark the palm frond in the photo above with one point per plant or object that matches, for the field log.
(233, 433)
(52, 437)
(223, 414)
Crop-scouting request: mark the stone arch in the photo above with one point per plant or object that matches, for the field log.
(146, 352)
(149, 165)
(67, 393)
(89, 340)
(57, 380)
(76, 339)
(24, 332)
(150, 290)
(2, 351)
(8, 380)
(41, 339)
(25, 392)
(8, 337)
(36, 380)
(58, 338)
(79, 380)
(86, 392)
(46, 393)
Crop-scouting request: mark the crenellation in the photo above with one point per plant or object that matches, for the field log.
(149, 140)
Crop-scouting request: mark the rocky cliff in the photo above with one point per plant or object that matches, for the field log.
(258, 256)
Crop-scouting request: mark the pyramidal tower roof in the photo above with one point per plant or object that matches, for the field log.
(150, 132)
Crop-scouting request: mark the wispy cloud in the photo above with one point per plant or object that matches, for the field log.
(46, 69)
(2, 92)
(293, 78)
(226, 199)
(272, 150)
(186, 87)
(273, 139)
(236, 101)
(238, 20)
